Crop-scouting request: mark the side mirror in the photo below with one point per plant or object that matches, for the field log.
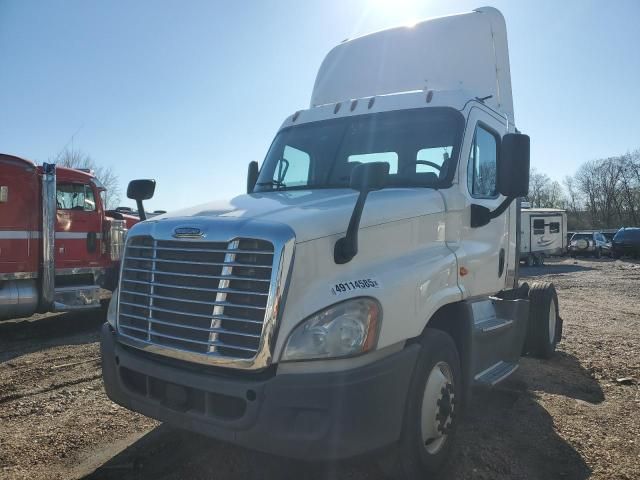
(364, 178)
(252, 176)
(513, 167)
(140, 190)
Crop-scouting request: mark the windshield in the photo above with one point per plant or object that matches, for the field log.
(420, 146)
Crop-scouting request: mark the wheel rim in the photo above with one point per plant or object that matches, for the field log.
(552, 322)
(438, 404)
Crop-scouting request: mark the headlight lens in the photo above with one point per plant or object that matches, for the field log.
(344, 329)
(111, 311)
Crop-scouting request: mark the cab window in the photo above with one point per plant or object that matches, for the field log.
(482, 166)
(293, 168)
(75, 196)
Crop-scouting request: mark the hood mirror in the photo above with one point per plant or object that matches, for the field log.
(139, 190)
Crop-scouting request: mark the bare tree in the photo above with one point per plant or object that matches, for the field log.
(73, 158)
(611, 190)
(544, 192)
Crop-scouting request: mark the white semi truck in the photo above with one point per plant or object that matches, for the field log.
(349, 302)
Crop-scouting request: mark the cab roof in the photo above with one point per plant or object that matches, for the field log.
(65, 173)
(466, 52)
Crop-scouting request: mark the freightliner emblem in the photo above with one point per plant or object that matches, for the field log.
(188, 232)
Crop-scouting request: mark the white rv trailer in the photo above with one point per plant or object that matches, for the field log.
(369, 277)
(543, 233)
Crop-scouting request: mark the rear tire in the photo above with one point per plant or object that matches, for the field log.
(530, 261)
(431, 413)
(545, 325)
(598, 253)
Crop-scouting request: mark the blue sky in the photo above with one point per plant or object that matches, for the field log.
(190, 92)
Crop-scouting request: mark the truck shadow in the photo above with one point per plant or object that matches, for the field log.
(46, 331)
(552, 269)
(562, 375)
(506, 434)
(51, 325)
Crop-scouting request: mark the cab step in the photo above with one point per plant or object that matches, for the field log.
(496, 373)
(493, 324)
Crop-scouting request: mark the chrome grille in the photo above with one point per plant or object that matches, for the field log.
(197, 296)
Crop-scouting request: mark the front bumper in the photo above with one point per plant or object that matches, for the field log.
(312, 416)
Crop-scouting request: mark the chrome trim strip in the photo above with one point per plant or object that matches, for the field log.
(188, 340)
(217, 303)
(34, 234)
(204, 250)
(225, 231)
(17, 234)
(76, 235)
(230, 277)
(186, 262)
(198, 289)
(190, 327)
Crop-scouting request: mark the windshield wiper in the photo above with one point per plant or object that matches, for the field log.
(272, 183)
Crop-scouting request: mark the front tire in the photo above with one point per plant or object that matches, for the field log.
(545, 325)
(598, 253)
(432, 410)
(530, 261)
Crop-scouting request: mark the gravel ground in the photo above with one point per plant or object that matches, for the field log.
(575, 416)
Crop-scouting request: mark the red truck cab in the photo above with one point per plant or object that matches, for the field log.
(58, 245)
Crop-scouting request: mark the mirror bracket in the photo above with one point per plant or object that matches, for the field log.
(364, 178)
(347, 247)
(481, 216)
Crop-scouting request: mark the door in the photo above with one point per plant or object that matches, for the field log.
(78, 227)
(486, 253)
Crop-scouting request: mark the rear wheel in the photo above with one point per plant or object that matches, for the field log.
(530, 261)
(545, 325)
(598, 253)
(431, 412)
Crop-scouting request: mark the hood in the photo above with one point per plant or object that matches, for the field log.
(317, 213)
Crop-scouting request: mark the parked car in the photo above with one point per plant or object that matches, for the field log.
(589, 243)
(626, 242)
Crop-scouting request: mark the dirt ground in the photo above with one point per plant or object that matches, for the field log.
(575, 416)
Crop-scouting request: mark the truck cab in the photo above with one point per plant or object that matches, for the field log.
(367, 280)
(58, 246)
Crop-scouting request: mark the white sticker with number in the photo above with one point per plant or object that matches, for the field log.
(361, 284)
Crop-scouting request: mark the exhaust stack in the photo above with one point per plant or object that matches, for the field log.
(48, 235)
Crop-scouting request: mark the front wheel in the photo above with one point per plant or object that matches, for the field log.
(431, 412)
(530, 261)
(598, 253)
(545, 325)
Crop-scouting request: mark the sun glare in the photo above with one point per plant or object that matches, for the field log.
(404, 9)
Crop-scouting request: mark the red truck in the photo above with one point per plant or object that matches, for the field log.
(58, 245)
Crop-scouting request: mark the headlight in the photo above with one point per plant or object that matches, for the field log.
(344, 329)
(111, 312)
